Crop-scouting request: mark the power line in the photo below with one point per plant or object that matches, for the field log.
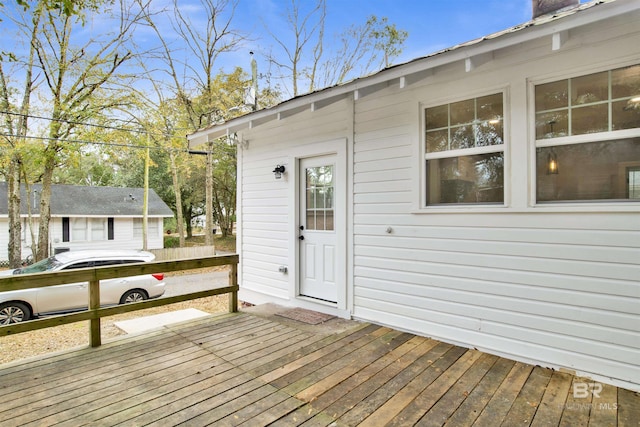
(30, 116)
(79, 141)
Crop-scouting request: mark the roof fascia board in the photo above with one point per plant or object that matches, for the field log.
(472, 49)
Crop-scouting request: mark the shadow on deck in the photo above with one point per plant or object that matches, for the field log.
(246, 369)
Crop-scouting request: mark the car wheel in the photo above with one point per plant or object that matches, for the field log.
(134, 295)
(13, 312)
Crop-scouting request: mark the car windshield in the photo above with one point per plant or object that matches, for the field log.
(47, 264)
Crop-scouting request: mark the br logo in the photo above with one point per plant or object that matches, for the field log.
(582, 390)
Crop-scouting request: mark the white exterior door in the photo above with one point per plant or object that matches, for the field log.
(317, 230)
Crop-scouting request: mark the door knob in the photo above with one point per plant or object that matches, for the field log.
(301, 237)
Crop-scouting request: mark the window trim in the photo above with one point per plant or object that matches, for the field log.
(505, 148)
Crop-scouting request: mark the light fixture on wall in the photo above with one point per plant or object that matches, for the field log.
(278, 171)
(552, 163)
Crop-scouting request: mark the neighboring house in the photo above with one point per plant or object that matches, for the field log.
(486, 195)
(88, 218)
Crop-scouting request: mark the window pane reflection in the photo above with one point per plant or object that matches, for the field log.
(589, 119)
(591, 171)
(600, 102)
(471, 123)
(467, 179)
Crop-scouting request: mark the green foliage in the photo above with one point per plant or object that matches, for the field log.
(171, 242)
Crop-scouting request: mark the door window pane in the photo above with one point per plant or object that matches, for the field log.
(320, 194)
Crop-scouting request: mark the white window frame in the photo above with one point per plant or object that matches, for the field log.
(501, 148)
(575, 140)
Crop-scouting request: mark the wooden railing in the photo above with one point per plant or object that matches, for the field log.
(94, 275)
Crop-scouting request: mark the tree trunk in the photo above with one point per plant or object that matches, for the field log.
(42, 249)
(189, 214)
(208, 232)
(15, 226)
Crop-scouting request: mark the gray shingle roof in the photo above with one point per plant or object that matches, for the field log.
(72, 200)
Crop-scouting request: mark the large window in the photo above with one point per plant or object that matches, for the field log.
(464, 144)
(588, 137)
(85, 229)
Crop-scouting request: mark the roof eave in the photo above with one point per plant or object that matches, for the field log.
(544, 26)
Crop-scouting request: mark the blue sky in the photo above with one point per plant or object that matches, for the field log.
(432, 25)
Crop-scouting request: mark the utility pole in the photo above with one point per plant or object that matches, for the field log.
(145, 200)
(254, 82)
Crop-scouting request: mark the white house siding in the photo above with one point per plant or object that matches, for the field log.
(123, 237)
(553, 285)
(265, 219)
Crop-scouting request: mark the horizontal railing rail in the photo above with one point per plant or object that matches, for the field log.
(93, 277)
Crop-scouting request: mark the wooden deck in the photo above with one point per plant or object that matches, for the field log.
(242, 369)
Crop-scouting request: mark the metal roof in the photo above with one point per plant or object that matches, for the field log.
(73, 201)
(554, 25)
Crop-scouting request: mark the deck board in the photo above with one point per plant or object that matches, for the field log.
(248, 370)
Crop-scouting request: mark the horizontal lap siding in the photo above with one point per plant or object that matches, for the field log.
(557, 288)
(265, 224)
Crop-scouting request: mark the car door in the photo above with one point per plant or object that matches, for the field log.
(65, 297)
(112, 289)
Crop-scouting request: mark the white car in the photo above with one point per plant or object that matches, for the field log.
(17, 306)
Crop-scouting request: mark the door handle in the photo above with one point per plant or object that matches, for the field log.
(301, 237)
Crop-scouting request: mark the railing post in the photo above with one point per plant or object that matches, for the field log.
(94, 304)
(233, 281)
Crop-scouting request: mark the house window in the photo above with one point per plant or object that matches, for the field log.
(98, 229)
(152, 228)
(588, 137)
(79, 230)
(633, 183)
(464, 144)
(84, 230)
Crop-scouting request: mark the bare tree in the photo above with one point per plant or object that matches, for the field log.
(77, 78)
(194, 81)
(16, 128)
(306, 29)
(361, 48)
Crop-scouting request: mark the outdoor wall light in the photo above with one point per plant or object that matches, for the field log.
(552, 163)
(278, 171)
